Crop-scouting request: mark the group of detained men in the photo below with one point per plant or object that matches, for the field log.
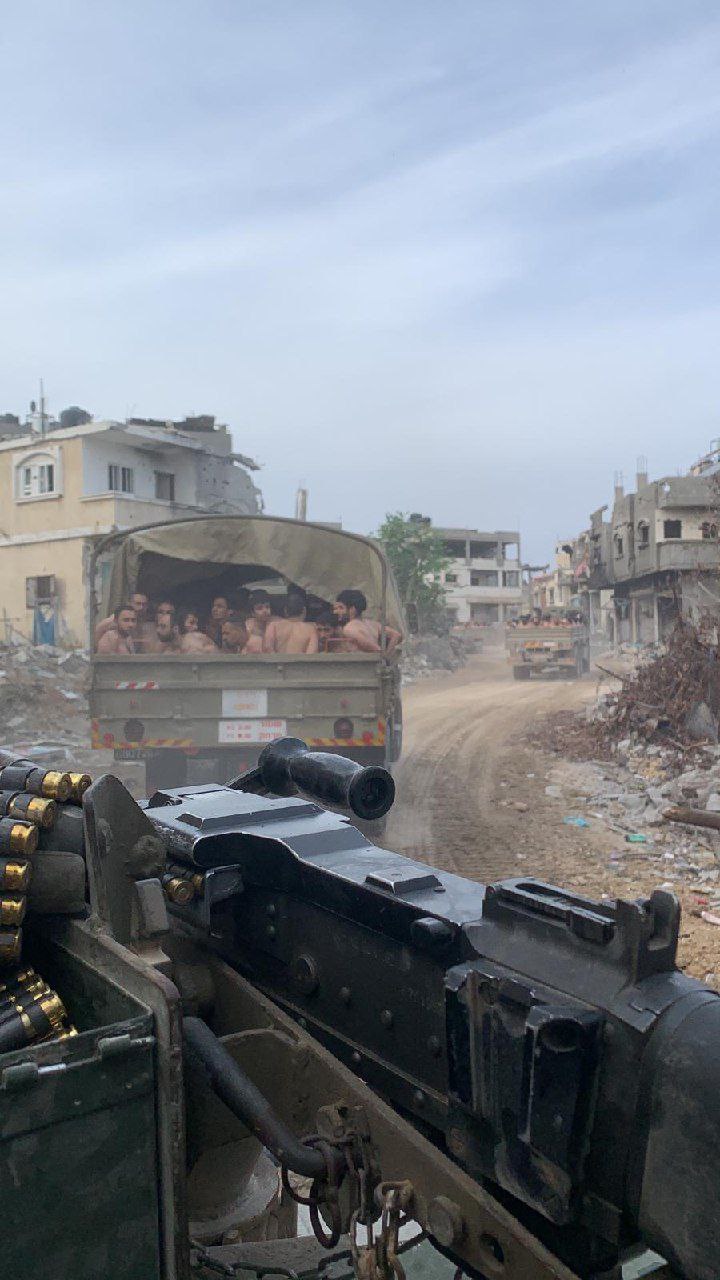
(539, 619)
(257, 625)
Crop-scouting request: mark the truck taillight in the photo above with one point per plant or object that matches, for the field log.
(343, 728)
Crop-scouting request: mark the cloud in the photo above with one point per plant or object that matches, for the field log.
(476, 249)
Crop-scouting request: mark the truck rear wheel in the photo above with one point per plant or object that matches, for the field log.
(521, 672)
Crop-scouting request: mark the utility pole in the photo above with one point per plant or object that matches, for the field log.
(42, 409)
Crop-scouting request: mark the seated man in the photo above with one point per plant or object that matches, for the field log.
(164, 639)
(361, 634)
(261, 614)
(291, 634)
(234, 637)
(330, 639)
(219, 613)
(145, 629)
(190, 638)
(120, 638)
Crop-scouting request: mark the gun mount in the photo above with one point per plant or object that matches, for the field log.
(522, 1071)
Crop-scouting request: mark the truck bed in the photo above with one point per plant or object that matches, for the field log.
(208, 705)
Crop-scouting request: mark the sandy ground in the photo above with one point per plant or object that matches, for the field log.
(471, 795)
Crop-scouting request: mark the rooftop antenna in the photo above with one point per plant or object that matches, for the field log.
(42, 409)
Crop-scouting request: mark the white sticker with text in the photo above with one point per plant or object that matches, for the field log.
(244, 702)
(252, 731)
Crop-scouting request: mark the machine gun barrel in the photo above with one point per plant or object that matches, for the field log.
(288, 768)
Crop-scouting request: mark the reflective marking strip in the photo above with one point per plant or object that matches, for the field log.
(101, 741)
(368, 739)
(136, 684)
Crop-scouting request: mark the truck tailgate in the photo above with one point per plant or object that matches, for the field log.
(227, 700)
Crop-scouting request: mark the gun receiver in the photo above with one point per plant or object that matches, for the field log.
(546, 1041)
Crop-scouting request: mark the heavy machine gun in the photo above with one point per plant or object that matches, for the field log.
(521, 1071)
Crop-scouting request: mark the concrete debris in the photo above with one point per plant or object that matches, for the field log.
(629, 796)
(700, 724)
(425, 655)
(44, 686)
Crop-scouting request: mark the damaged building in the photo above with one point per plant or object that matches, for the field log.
(654, 554)
(482, 580)
(64, 487)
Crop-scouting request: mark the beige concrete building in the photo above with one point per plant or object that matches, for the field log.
(482, 581)
(62, 490)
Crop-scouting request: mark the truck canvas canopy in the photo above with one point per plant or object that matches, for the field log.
(162, 558)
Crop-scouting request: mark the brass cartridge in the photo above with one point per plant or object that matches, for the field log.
(15, 874)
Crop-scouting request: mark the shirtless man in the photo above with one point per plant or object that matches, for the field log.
(120, 638)
(145, 629)
(219, 613)
(361, 635)
(261, 615)
(291, 634)
(234, 637)
(163, 641)
(190, 638)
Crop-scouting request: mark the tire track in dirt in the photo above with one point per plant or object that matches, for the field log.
(464, 757)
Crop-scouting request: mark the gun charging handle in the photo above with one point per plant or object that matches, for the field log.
(287, 768)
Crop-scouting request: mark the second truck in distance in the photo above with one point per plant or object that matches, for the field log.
(548, 650)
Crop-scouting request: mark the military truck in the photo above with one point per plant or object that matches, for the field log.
(185, 713)
(548, 650)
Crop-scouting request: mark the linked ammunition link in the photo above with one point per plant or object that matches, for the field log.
(30, 797)
(15, 874)
(31, 1012)
(28, 807)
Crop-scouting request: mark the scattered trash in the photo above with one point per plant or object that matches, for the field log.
(636, 837)
(576, 822)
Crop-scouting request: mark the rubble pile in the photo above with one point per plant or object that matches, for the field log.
(423, 655)
(674, 697)
(630, 795)
(43, 702)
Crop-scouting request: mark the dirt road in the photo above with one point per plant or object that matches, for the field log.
(471, 795)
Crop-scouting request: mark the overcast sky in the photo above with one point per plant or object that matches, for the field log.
(458, 257)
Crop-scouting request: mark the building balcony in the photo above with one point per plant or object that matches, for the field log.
(688, 554)
(683, 492)
(508, 595)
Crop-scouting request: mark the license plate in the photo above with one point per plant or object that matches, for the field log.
(130, 753)
(253, 731)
